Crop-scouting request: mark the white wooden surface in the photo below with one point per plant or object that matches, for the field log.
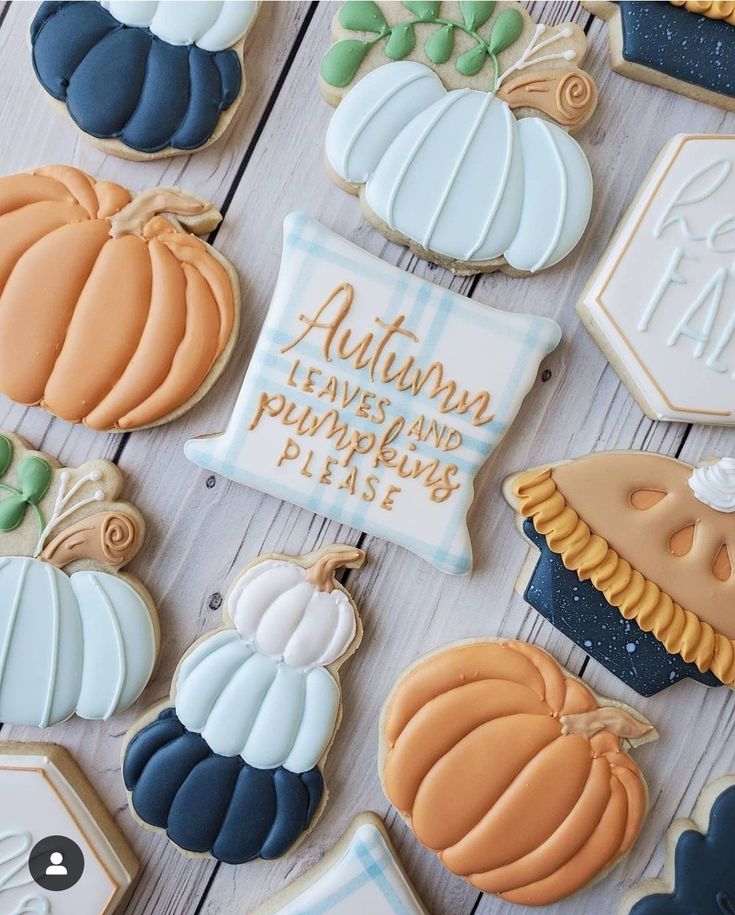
(202, 528)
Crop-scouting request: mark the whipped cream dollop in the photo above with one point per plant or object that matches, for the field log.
(714, 484)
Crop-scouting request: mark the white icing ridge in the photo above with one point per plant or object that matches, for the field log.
(457, 173)
(14, 873)
(714, 484)
(83, 643)
(244, 703)
(212, 25)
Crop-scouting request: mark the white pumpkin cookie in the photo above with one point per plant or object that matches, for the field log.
(44, 798)
(456, 136)
(76, 635)
(231, 765)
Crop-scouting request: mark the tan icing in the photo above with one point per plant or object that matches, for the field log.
(479, 762)
(110, 313)
(713, 9)
(110, 537)
(568, 96)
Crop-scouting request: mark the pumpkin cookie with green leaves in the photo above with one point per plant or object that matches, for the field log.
(452, 125)
(76, 635)
(113, 313)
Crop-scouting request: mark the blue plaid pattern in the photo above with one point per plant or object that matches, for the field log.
(502, 355)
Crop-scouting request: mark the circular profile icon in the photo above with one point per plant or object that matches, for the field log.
(56, 863)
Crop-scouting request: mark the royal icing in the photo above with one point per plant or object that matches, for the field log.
(370, 397)
(43, 793)
(360, 876)
(631, 525)
(82, 643)
(662, 298)
(421, 154)
(157, 77)
(713, 9)
(714, 484)
(700, 876)
(511, 770)
(73, 250)
(255, 709)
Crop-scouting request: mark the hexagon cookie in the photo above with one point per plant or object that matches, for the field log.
(661, 303)
(43, 793)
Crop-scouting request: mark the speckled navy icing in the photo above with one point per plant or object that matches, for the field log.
(704, 868)
(122, 82)
(215, 804)
(582, 613)
(687, 46)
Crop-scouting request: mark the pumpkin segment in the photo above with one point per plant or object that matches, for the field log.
(512, 770)
(234, 768)
(111, 313)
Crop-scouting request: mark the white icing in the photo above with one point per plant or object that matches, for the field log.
(244, 703)
(83, 643)
(456, 173)
(14, 872)
(364, 879)
(212, 25)
(284, 617)
(714, 484)
(530, 57)
(663, 296)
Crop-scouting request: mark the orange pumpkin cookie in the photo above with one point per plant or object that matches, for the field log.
(112, 312)
(512, 770)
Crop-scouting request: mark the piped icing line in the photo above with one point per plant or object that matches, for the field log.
(636, 597)
(712, 9)
(714, 484)
(527, 58)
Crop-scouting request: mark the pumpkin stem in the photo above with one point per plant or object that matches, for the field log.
(609, 717)
(567, 95)
(110, 537)
(196, 215)
(321, 573)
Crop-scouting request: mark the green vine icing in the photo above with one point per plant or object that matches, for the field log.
(342, 61)
(34, 477)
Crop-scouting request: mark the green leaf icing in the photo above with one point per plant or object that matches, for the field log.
(426, 10)
(506, 30)
(342, 61)
(401, 42)
(439, 45)
(471, 62)
(35, 478)
(12, 511)
(476, 12)
(362, 16)
(6, 454)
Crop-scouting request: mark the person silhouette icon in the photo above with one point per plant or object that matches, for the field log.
(56, 868)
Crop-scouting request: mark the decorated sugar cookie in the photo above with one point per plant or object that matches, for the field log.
(141, 78)
(373, 397)
(43, 795)
(76, 635)
(231, 765)
(661, 303)
(112, 312)
(440, 136)
(687, 46)
(512, 770)
(699, 875)
(635, 564)
(361, 875)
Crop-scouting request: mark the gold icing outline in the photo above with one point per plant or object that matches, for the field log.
(680, 631)
(702, 9)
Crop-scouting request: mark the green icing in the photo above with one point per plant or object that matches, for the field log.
(34, 475)
(340, 64)
(6, 454)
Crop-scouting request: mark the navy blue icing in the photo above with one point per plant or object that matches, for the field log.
(121, 82)
(687, 46)
(212, 803)
(704, 868)
(577, 609)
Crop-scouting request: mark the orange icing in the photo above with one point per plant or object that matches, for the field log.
(110, 313)
(512, 799)
(713, 9)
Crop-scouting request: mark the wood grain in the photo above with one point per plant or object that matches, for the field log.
(203, 527)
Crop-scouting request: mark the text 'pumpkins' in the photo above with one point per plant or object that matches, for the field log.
(111, 312)
(512, 771)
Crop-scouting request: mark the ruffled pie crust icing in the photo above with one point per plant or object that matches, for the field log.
(712, 9)
(112, 313)
(512, 770)
(630, 523)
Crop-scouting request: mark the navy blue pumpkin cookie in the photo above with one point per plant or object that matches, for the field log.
(145, 79)
(635, 562)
